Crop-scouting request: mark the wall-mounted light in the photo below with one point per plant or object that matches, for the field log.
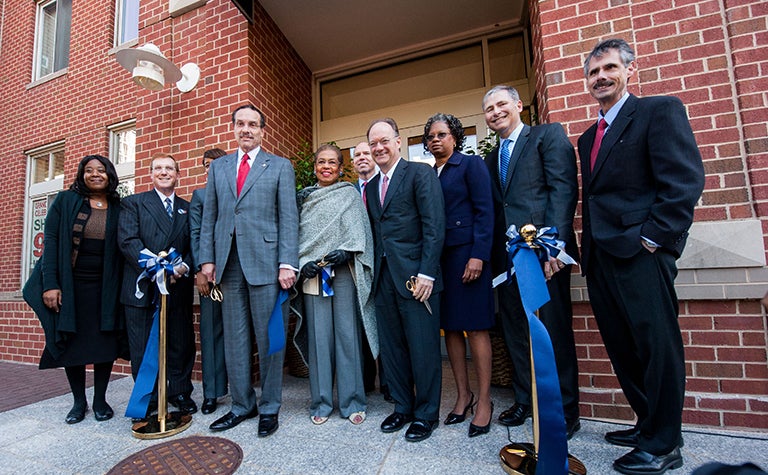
(150, 68)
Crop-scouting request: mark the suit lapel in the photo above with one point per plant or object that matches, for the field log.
(373, 184)
(156, 211)
(229, 168)
(517, 151)
(259, 166)
(395, 182)
(180, 212)
(611, 138)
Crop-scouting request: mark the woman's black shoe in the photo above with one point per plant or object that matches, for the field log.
(104, 414)
(474, 430)
(76, 414)
(454, 418)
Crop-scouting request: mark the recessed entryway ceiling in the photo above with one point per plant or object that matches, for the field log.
(331, 35)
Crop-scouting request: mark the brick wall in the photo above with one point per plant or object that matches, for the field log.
(239, 63)
(712, 55)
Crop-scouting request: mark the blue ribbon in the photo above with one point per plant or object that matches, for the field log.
(275, 329)
(326, 278)
(526, 260)
(155, 268)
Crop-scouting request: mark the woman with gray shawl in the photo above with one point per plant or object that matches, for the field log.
(336, 261)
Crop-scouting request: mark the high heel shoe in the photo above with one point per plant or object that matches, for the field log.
(474, 430)
(454, 418)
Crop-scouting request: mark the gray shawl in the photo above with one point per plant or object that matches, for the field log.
(333, 217)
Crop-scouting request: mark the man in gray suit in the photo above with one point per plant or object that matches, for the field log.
(157, 220)
(534, 184)
(405, 204)
(249, 245)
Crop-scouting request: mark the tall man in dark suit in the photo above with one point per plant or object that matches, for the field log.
(534, 184)
(642, 175)
(157, 220)
(249, 245)
(211, 324)
(405, 204)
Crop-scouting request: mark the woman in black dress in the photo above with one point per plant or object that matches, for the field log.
(74, 287)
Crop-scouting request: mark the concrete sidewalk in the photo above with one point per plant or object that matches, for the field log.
(35, 440)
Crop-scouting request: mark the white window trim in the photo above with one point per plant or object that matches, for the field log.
(36, 76)
(32, 192)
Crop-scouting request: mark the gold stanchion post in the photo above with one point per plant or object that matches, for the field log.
(167, 424)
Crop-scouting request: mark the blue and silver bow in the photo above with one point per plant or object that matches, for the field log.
(155, 268)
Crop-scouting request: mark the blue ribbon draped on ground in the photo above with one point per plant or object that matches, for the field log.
(155, 268)
(527, 261)
(275, 328)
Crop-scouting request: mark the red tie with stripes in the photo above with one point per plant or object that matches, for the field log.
(601, 126)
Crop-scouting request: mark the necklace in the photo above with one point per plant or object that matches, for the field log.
(99, 204)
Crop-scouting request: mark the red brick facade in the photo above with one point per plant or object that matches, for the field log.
(712, 54)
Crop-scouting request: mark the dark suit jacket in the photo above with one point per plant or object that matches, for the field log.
(541, 189)
(468, 204)
(647, 178)
(145, 224)
(410, 227)
(195, 220)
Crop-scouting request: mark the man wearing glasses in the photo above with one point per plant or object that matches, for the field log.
(405, 205)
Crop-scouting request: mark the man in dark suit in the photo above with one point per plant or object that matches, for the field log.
(405, 204)
(539, 187)
(211, 325)
(642, 175)
(249, 245)
(157, 220)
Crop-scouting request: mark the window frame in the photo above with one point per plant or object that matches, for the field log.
(37, 57)
(34, 192)
(126, 172)
(120, 17)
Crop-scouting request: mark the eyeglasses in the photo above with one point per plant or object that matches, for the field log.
(383, 142)
(440, 136)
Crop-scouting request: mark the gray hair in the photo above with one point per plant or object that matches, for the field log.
(509, 90)
(625, 52)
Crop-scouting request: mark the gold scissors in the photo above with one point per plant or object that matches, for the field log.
(410, 284)
(216, 294)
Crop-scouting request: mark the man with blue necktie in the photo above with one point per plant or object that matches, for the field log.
(533, 176)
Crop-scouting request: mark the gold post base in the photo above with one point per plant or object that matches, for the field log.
(175, 422)
(521, 458)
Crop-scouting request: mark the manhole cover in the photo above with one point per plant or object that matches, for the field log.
(189, 455)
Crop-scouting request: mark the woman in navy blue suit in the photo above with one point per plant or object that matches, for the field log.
(467, 301)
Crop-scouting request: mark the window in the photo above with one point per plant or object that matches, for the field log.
(45, 180)
(126, 21)
(54, 19)
(122, 152)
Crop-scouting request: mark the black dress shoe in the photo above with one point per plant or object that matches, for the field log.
(183, 403)
(76, 414)
(640, 462)
(394, 422)
(230, 420)
(571, 427)
(209, 405)
(420, 430)
(103, 414)
(267, 424)
(515, 415)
